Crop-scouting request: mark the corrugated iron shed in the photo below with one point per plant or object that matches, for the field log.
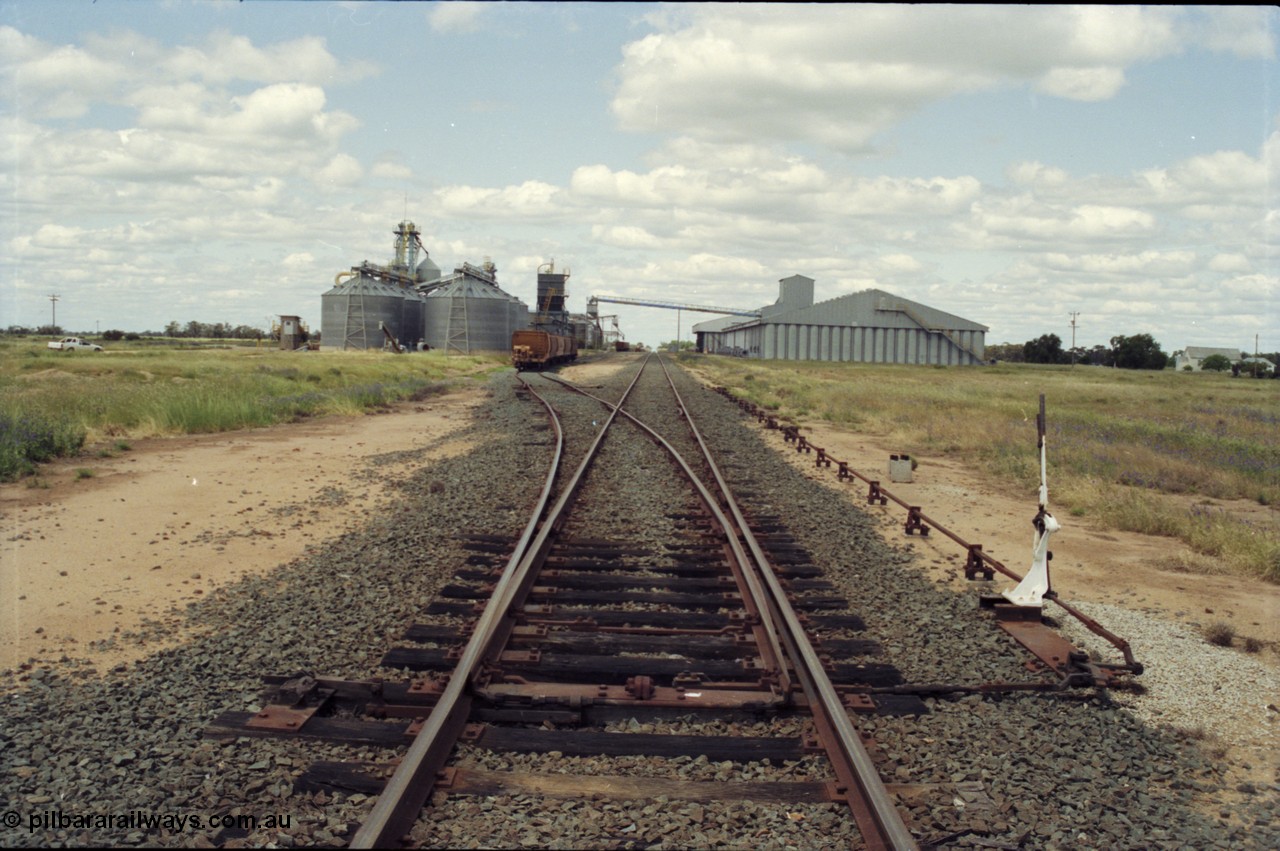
(872, 326)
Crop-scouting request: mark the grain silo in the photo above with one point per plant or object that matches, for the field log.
(377, 301)
(354, 313)
(468, 312)
(519, 313)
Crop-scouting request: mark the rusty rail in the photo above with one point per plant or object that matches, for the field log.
(754, 594)
(917, 521)
(859, 784)
(409, 787)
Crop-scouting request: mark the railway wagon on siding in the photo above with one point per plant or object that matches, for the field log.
(533, 349)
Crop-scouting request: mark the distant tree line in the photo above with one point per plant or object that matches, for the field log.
(43, 330)
(1244, 366)
(214, 330)
(204, 330)
(59, 331)
(1139, 351)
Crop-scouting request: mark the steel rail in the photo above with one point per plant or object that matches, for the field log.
(755, 597)
(513, 587)
(877, 817)
(407, 791)
(409, 787)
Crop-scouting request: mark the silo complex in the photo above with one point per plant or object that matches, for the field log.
(374, 300)
(463, 312)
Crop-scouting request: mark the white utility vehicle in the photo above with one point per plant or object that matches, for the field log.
(73, 344)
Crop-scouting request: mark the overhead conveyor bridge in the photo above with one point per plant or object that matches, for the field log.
(593, 306)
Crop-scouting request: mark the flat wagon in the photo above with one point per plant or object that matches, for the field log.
(538, 349)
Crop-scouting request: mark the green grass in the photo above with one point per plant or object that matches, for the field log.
(1133, 450)
(54, 403)
(29, 439)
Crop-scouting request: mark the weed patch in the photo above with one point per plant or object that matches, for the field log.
(1219, 634)
(30, 439)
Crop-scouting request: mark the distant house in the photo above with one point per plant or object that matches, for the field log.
(1267, 366)
(1195, 355)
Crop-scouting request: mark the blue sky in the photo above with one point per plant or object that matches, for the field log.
(222, 161)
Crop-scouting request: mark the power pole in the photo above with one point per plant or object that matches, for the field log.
(53, 302)
(1074, 314)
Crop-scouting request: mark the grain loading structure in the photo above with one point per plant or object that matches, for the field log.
(371, 301)
(410, 301)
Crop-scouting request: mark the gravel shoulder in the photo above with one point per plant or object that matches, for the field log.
(90, 566)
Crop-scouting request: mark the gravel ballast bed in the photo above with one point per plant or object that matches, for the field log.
(1073, 771)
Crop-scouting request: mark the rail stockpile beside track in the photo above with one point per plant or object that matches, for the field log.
(381, 610)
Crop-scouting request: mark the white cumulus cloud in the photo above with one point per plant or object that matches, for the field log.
(840, 74)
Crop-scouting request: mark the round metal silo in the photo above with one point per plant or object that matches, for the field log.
(489, 319)
(427, 271)
(435, 320)
(350, 313)
(519, 314)
(468, 314)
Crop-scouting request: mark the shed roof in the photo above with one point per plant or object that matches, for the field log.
(872, 308)
(877, 309)
(1202, 352)
(722, 323)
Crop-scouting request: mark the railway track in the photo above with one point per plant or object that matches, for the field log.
(650, 596)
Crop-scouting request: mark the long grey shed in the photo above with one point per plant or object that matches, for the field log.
(871, 326)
